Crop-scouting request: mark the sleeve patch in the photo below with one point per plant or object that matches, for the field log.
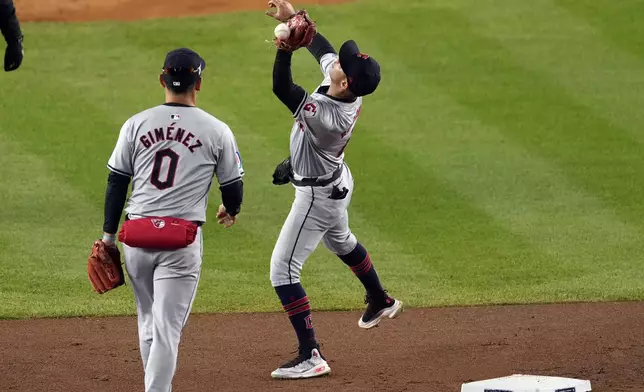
(311, 108)
(238, 159)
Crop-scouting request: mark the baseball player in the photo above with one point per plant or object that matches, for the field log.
(324, 122)
(171, 152)
(10, 27)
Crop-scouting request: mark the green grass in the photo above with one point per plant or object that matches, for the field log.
(500, 160)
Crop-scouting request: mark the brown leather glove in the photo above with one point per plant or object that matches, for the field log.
(302, 32)
(104, 267)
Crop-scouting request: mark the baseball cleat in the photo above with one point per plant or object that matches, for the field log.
(378, 309)
(307, 364)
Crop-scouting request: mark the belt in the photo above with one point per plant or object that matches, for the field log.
(317, 181)
(198, 223)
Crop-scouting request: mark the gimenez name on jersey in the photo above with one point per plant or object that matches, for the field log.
(170, 133)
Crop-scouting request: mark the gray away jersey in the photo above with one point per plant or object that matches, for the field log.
(322, 129)
(172, 154)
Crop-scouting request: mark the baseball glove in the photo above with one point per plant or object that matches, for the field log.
(104, 267)
(283, 172)
(302, 32)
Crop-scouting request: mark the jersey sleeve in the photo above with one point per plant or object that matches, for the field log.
(120, 161)
(229, 163)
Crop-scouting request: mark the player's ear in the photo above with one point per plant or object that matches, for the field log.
(344, 84)
(161, 80)
(198, 85)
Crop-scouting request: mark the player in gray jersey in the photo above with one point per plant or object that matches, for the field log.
(171, 153)
(324, 123)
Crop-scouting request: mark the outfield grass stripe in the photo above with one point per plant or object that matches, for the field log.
(480, 74)
(569, 53)
(620, 22)
(580, 111)
(45, 238)
(526, 193)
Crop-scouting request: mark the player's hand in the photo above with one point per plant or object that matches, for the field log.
(223, 218)
(282, 10)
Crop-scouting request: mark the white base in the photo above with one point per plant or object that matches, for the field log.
(526, 383)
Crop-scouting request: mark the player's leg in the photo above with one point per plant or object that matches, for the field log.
(139, 265)
(175, 285)
(380, 305)
(340, 240)
(300, 235)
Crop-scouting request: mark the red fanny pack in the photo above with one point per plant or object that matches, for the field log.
(158, 233)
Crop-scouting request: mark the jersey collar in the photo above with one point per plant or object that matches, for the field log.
(324, 89)
(177, 104)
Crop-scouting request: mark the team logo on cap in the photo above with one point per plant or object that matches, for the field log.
(158, 223)
(363, 56)
(198, 70)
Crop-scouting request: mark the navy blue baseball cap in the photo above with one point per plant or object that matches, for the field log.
(183, 67)
(362, 70)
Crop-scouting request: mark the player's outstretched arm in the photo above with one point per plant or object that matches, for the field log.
(320, 46)
(288, 92)
(10, 28)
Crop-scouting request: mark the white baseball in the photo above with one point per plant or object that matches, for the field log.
(282, 31)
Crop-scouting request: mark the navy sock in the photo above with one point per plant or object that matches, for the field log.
(360, 263)
(296, 305)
